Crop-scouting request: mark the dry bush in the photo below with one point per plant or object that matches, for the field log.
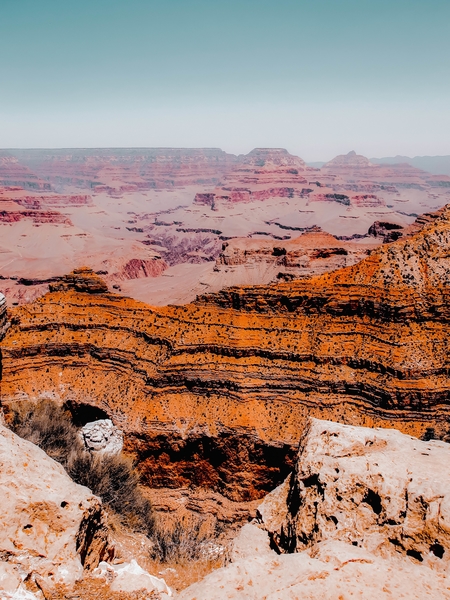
(47, 425)
(116, 481)
(185, 540)
(113, 478)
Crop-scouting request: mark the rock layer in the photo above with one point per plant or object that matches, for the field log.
(214, 393)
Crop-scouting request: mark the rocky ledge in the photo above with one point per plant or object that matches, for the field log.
(49, 526)
(365, 514)
(54, 535)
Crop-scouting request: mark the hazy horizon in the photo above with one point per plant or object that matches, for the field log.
(318, 79)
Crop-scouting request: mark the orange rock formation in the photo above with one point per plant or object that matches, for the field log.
(215, 392)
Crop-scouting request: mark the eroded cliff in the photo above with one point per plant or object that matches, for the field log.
(215, 393)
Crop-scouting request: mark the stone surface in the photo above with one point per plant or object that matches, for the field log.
(130, 577)
(374, 488)
(332, 570)
(102, 436)
(364, 515)
(83, 280)
(48, 525)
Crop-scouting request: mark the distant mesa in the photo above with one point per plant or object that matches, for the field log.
(82, 280)
(351, 159)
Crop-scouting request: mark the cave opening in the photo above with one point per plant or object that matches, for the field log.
(239, 466)
(83, 413)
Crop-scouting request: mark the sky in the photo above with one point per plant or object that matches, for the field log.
(318, 77)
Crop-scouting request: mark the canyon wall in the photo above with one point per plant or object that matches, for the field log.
(215, 392)
(126, 169)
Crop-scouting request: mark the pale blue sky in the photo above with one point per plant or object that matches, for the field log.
(320, 77)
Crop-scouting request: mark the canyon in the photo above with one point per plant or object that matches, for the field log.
(224, 302)
(153, 221)
(214, 393)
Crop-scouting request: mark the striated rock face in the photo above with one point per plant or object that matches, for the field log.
(215, 393)
(311, 253)
(127, 169)
(82, 280)
(3, 313)
(48, 525)
(365, 514)
(263, 173)
(137, 268)
(55, 200)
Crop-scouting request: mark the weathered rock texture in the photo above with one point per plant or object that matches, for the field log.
(48, 525)
(101, 436)
(373, 488)
(215, 393)
(331, 570)
(364, 515)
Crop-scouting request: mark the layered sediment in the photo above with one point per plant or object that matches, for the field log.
(215, 393)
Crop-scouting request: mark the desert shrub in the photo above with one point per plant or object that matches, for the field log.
(186, 540)
(47, 425)
(111, 477)
(115, 479)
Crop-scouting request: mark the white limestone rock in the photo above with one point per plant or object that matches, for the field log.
(130, 577)
(331, 570)
(375, 488)
(102, 436)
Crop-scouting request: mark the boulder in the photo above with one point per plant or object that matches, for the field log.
(374, 488)
(102, 436)
(49, 526)
(130, 577)
(365, 514)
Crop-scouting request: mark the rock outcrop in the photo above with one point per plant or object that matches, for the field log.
(365, 514)
(312, 253)
(332, 570)
(262, 174)
(49, 526)
(82, 280)
(376, 489)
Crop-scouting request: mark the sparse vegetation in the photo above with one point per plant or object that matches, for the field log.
(182, 543)
(186, 540)
(113, 478)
